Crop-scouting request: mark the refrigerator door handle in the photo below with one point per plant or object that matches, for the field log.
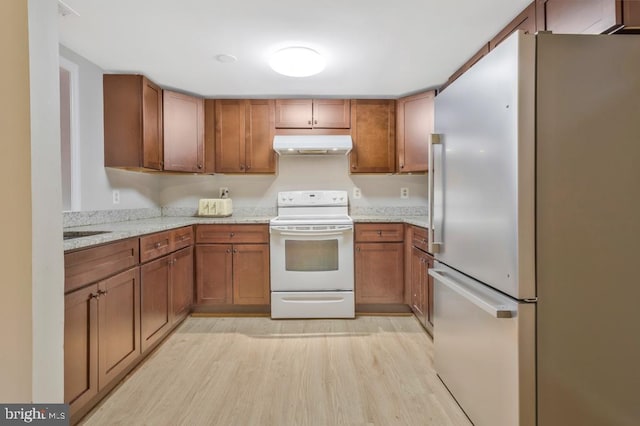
(498, 311)
(434, 232)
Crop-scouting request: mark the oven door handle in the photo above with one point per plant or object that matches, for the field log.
(311, 233)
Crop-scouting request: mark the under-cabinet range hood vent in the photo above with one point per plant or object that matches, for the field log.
(312, 144)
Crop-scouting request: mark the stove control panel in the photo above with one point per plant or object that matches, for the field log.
(312, 198)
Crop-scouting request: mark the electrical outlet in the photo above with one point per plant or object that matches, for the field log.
(116, 196)
(224, 192)
(357, 193)
(404, 192)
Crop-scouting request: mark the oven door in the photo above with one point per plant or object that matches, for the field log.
(312, 258)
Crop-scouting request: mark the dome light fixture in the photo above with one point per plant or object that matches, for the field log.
(297, 62)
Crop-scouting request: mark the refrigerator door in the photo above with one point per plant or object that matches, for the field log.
(483, 170)
(484, 350)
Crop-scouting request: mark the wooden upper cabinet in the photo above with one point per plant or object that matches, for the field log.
(132, 122)
(587, 16)
(183, 119)
(525, 21)
(414, 125)
(244, 132)
(259, 132)
(313, 114)
(373, 125)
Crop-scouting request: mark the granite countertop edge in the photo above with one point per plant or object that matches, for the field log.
(122, 230)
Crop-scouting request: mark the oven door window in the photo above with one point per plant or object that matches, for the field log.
(311, 255)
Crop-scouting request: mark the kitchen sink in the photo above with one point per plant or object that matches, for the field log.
(68, 235)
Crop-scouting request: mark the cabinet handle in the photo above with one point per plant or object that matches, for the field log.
(357, 248)
(199, 166)
(241, 166)
(401, 166)
(228, 250)
(315, 122)
(248, 167)
(94, 296)
(309, 122)
(232, 234)
(102, 292)
(353, 166)
(235, 250)
(379, 233)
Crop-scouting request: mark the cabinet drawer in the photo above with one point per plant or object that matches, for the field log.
(420, 238)
(182, 237)
(232, 234)
(379, 232)
(90, 265)
(155, 245)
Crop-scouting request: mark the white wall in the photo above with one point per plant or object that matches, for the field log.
(46, 193)
(296, 173)
(137, 190)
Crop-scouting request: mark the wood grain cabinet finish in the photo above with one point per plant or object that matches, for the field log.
(414, 125)
(118, 324)
(244, 131)
(183, 133)
(232, 265)
(379, 263)
(132, 122)
(155, 304)
(102, 334)
(87, 266)
(313, 114)
(166, 283)
(80, 347)
(588, 16)
(373, 124)
(421, 283)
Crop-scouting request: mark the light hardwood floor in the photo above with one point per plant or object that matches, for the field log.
(258, 371)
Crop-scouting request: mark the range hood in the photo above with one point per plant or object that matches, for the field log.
(312, 144)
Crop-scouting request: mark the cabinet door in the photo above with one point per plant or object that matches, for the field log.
(418, 268)
(373, 132)
(294, 113)
(151, 125)
(183, 120)
(80, 347)
(251, 274)
(414, 125)
(118, 324)
(331, 113)
(379, 273)
(214, 277)
(181, 283)
(580, 16)
(259, 131)
(155, 302)
(429, 293)
(230, 136)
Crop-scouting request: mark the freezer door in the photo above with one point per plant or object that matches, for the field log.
(484, 350)
(483, 170)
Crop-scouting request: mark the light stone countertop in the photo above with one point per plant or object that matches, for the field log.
(133, 228)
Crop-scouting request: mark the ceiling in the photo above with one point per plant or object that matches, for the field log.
(373, 48)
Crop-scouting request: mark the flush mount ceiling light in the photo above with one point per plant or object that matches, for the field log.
(297, 62)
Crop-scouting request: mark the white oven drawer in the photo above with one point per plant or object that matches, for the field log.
(313, 304)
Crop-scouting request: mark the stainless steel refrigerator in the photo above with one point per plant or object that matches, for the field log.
(535, 210)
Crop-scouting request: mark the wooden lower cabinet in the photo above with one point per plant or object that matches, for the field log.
(80, 347)
(155, 318)
(181, 284)
(232, 274)
(102, 335)
(166, 294)
(379, 273)
(421, 282)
